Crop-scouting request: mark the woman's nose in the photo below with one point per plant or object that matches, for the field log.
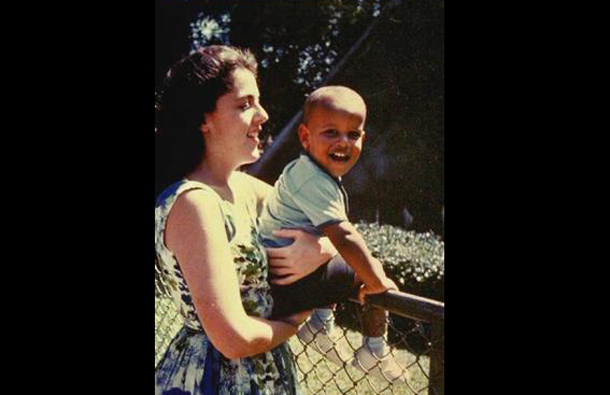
(262, 115)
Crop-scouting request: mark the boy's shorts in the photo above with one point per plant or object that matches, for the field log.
(331, 283)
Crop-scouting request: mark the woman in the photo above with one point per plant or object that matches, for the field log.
(206, 238)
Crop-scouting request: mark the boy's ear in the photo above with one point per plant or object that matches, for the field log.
(304, 136)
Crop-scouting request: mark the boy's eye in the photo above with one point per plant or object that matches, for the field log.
(354, 135)
(330, 133)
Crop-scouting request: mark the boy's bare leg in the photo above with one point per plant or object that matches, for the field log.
(374, 321)
(374, 356)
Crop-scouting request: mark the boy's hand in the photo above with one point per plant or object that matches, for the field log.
(386, 285)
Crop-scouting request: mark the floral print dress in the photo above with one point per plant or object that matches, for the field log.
(191, 364)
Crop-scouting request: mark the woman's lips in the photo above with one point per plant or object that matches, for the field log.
(254, 136)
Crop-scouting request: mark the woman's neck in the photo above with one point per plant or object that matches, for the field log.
(216, 175)
(211, 173)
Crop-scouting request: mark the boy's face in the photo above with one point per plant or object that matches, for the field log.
(334, 138)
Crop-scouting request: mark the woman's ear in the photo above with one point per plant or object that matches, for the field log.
(304, 136)
(205, 128)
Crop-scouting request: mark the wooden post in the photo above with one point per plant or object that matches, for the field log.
(437, 359)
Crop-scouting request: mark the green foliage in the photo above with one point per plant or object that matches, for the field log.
(415, 261)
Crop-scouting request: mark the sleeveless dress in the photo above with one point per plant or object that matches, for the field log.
(191, 364)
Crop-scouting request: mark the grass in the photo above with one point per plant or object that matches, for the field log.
(319, 376)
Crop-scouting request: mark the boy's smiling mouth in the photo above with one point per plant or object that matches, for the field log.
(339, 157)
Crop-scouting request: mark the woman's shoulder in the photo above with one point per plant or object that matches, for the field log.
(186, 202)
(184, 190)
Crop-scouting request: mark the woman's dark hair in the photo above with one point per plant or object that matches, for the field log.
(190, 90)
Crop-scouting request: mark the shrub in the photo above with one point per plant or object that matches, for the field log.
(416, 262)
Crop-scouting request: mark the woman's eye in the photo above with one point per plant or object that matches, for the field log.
(245, 106)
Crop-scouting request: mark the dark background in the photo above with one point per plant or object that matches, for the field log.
(82, 71)
(398, 68)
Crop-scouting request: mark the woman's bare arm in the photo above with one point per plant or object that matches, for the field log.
(195, 234)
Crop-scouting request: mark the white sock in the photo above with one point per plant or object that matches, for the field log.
(375, 344)
(322, 318)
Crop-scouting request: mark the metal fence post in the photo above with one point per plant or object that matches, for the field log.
(437, 358)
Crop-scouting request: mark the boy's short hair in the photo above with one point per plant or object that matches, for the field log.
(326, 96)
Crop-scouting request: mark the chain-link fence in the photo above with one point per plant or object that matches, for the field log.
(415, 340)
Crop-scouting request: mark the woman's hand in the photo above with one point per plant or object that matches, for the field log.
(306, 254)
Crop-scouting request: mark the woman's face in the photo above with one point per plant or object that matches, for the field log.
(233, 128)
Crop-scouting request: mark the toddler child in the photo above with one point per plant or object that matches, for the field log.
(309, 196)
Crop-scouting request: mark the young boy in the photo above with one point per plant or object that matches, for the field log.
(309, 195)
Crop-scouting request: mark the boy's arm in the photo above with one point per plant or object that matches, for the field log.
(353, 249)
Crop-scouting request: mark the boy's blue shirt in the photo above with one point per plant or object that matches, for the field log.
(305, 197)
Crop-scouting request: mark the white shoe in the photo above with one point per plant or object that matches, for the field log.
(322, 341)
(385, 368)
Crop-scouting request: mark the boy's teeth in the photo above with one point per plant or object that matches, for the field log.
(339, 157)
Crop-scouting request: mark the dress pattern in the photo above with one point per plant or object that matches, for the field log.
(191, 364)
